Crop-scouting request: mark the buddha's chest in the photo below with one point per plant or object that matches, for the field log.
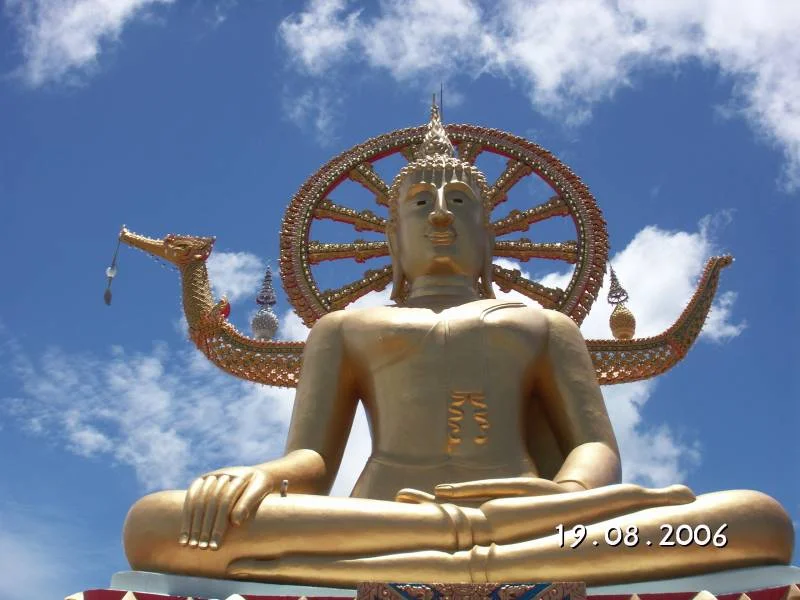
(453, 381)
(475, 348)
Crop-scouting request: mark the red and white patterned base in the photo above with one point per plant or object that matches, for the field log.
(786, 592)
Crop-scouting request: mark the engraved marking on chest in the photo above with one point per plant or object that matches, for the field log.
(456, 414)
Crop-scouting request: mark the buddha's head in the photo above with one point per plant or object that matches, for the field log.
(439, 217)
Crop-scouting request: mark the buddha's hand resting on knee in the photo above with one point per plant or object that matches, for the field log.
(487, 489)
(218, 499)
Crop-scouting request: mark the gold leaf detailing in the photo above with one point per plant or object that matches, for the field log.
(364, 220)
(521, 220)
(480, 415)
(364, 174)
(468, 151)
(514, 171)
(359, 250)
(454, 420)
(409, 152)
(524, 249)
(512, 279)
(373, 280)
(435, 142)
(623, 361)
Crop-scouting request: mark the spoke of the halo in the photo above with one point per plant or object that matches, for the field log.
(359, 250)
(364, 220)
(524, 249)
(468, 151)
(512, 279)
(373, 280)
(408, 152)
(365, 174)
(521, 220)
(514, 171)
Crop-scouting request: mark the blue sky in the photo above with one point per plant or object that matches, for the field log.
(205, 117)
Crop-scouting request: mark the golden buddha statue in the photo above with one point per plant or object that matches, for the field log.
(490, 439)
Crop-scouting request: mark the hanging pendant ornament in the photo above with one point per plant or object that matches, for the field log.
(111, 270)
(622, 321)
(265, 323)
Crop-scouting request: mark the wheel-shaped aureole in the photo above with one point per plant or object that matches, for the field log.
(588, 252)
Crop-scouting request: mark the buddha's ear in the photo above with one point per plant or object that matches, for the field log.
(398, 278)
(487, 291)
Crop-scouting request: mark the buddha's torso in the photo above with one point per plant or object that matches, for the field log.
(445, 392)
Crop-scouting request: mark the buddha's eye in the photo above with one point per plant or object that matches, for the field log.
(422, 202)
(458, 200)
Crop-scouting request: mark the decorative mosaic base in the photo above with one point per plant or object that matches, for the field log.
(468, 592)
(475, 591)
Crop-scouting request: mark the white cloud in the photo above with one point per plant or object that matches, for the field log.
(61, 39)
(236, 275)
(651, 455)
(333, 33)
(659, 270)
(314, 110)
(171, 415)
(570, 55)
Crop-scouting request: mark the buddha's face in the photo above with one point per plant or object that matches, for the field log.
(440, 230)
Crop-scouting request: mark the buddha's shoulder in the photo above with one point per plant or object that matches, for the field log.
(339, 320)
(528, 316)
(488, 309)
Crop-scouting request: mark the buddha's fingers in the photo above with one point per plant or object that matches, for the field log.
(412, 496)
(200, 509)
(188, 510)
(229, 496)
(497, 488)
(411, 566)
(212, 508)
(258, 486)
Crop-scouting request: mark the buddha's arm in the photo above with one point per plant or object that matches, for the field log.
(324, 408)
(567, 387)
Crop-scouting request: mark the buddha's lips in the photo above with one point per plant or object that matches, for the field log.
(441, 238)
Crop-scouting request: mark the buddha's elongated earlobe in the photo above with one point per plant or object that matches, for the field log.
(398, 278)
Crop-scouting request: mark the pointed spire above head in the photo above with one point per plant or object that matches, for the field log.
(616, 293)
(622, 321)
(436, 142)
(266, 297)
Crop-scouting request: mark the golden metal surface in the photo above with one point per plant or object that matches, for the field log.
(427, 508)
(622, 322)
(278, 363)
(521, 220)
(359, 250)
(524, 249)
(572, 199)
(364, 220)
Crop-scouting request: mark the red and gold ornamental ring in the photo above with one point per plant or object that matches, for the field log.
(588, 252)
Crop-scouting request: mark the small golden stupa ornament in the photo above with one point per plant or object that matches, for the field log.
(265, 323)
(622, 321)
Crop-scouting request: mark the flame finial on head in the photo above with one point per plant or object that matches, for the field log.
(436, 142)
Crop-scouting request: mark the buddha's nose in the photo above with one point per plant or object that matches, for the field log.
(440, 216)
